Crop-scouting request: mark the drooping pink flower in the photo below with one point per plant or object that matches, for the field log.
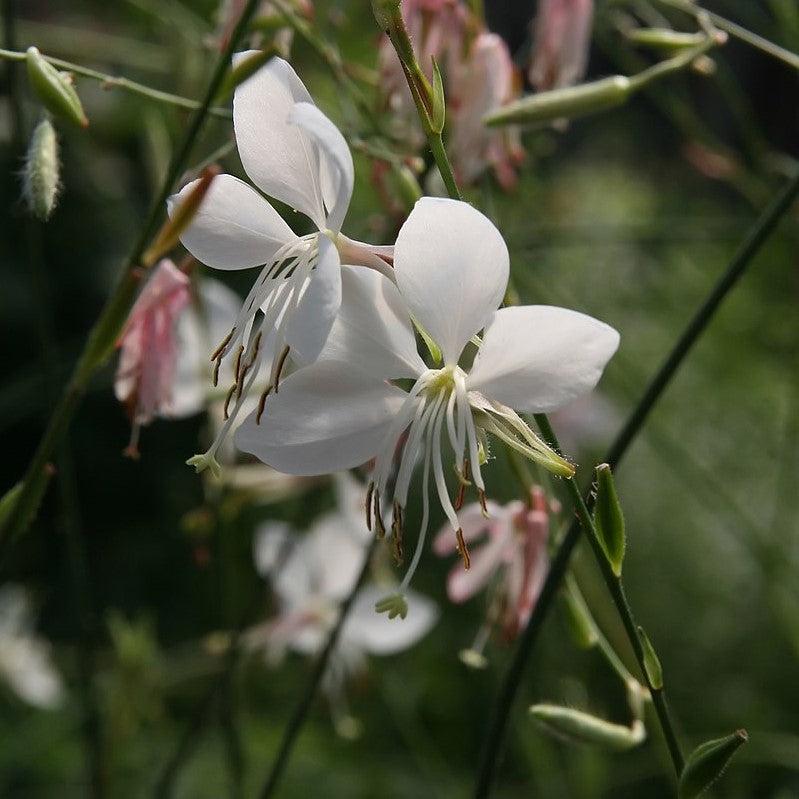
(481, 82)
(561, 42)
(479, 78)
(148, 361)
(513, 550)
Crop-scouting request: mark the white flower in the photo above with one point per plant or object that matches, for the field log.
(294, 153)
(24, 657)
(311, 576)
(451, 267)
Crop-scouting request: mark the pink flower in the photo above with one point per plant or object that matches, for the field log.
(480, 83)
(560, 48)
(148, 362)
(514, 551)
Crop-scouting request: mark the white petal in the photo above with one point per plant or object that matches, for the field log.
(378, 634)
(234, 228)
(336, 552)
(326, 417)
(309, 326)
(280, 159)
(452, 268)
(199, 332)
(271, 544)
(373, 328)
(337, 172)
(536, 358)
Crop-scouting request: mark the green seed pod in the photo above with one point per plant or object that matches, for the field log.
(54, 89)
(40, 177)
(654, 671)
(665, 38)
(579, 727)
(609, 519)
(568, 103)
(707, 763)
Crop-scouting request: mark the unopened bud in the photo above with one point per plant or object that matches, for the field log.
(7, 503)
(473, 659)
(665, 39)
(180, 217)
(54, 89)
(438, 112)
(407, 185)
(707, 763)
(245, 68)
(395, 605)
(579, 727)
(40, 178)
(609, 519)
(578, 617)
(567, 103)
(385, 11)
(652, 667)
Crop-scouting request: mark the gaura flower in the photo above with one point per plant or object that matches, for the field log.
(512, 559)
(25, 661)
(451, 266)
(480, 82)
(147, 364)
(311, 575)
(560, 46)
(294, 153)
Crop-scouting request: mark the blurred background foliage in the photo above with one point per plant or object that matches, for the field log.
(629, 216)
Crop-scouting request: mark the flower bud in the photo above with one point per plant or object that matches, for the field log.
(8, 501)
(609, 519)
(438, 111)
(180, 217)
(54, 89)
(578, 617)
(385, 11)
(245, 69)
(665, 38)
(473, 659)
(652, 667)
(40, 177)
(707, 763)
(579, 727)
(567, 103)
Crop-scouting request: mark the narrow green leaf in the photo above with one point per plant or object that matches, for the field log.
(654, 671)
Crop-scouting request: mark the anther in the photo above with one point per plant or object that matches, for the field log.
(261, 403)
(463, 549)
(217, 353)
(217, 364)
(237, 367)
(464, 481)
(381, 529)
(369, 493)
(279, 366)
(227, 401)
(483, 505)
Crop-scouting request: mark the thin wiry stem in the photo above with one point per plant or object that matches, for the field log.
(759, 233)
(119, 82)
(297, 720)
(103, 336)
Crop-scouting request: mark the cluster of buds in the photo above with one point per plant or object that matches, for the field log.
(479, 78)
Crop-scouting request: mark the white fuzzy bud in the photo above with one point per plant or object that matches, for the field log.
(41, 181)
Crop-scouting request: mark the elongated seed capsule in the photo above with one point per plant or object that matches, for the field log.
(665, 38)
(40, 178)
(580, 727)
(54, 89)
(568, 103)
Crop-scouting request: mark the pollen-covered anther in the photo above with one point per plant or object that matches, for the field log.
(463, 483)
(369, 493)
(279, 364)
(381, 528)
(481, 494)
(262, 404)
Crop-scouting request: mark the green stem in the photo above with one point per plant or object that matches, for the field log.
(511, 682)
(739, 32)
(616, 589)
(297, 720)
(103, 336)
(113, 81)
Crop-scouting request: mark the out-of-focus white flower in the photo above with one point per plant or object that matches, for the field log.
(294, 153)
(511, 559)
(561, 42)
(451, 266)
(311, 576)
(25, 661)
